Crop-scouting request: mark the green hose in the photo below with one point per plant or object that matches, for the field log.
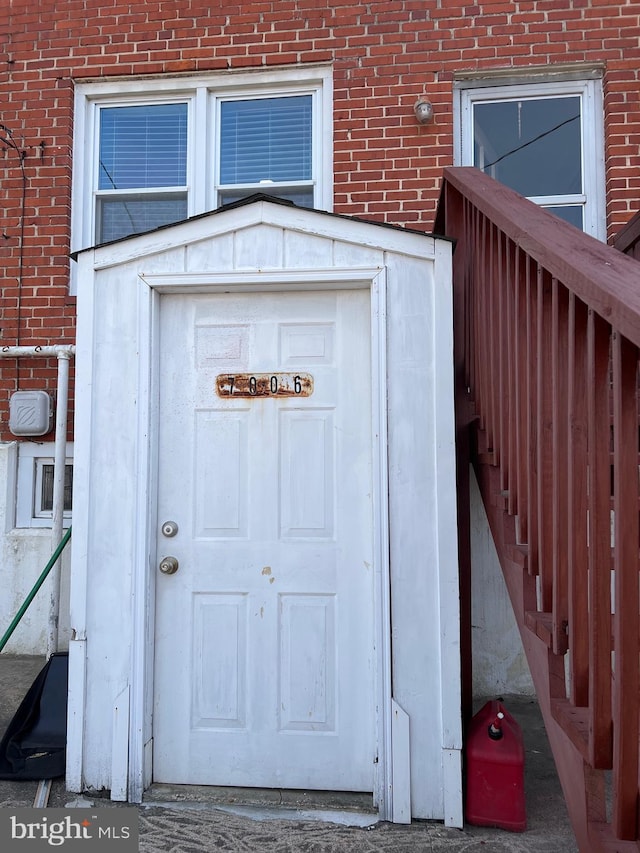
(36, 587)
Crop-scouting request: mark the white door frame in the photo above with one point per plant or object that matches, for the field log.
(151, 287)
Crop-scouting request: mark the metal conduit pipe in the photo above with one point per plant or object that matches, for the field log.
(38, 350)
(63, 353)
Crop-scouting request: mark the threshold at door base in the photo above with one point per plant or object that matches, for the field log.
(345, 808)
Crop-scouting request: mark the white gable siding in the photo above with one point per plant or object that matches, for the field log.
(115, 441)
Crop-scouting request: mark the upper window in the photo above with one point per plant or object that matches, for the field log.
(267, 142)
(156, 152)
(543, 140)
(142, 168)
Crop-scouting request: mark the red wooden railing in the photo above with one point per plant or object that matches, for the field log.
(628, 238)
(547, 330)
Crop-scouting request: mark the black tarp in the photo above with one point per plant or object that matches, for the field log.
(34, 745)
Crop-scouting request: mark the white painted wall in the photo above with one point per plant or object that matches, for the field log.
(424, 555)
(108, 574)
(499, 662)
(24, 552)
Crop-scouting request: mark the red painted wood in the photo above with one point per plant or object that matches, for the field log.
(456, 211)
(628, 238)
(483, 310)
(489, 347)
(560, 454)
(532, 420)
(599, 531)
(500, 346)
(544, 410)
(541, 307)
(577, 560)
(511, 357)
(606, 280)
(521, 385)
(626, 621)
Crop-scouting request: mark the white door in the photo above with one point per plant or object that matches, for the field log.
(264, 655)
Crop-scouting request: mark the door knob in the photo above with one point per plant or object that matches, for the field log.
(168, 565)
(169, 528)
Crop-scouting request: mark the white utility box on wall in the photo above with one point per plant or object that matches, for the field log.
(30, 413)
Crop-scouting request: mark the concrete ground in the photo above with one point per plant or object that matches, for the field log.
(288, 822)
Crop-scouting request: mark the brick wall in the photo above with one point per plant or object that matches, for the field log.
(384, 55)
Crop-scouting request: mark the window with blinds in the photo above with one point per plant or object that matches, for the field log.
(266, 146)
(152, 152)
(142, 169)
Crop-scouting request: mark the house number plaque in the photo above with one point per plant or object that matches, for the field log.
(264, 385)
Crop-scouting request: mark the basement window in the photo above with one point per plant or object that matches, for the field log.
(43, 491)
(34, 505)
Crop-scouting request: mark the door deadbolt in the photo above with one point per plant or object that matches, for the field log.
(169, 565)
(169, 529)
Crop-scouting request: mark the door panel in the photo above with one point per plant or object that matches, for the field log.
(264, 635)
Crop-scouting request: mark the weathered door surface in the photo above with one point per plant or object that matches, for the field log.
(264, 633)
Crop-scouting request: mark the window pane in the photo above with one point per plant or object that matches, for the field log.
(143, 147)
(303, 196)
(267, 139)
(46, 496)
(531, 145)
(571, 213)
(119, 217)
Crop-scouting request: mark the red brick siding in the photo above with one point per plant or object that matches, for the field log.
(384, 55)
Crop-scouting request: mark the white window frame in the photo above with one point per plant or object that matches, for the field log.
(475, 90)
(220, 188)
(31, 457)
(94, 140)
(203, 94)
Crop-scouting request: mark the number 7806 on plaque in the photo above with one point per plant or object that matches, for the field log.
(264, 385)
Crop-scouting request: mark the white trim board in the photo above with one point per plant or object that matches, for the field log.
(142, 646)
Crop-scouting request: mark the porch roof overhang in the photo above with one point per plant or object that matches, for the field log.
(266, 209)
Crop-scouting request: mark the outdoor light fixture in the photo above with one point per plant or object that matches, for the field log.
(423, 109)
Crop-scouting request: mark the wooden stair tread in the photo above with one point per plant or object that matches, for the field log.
(574, 722)
(541, 623)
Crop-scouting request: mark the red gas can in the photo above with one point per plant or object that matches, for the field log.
(495, 770)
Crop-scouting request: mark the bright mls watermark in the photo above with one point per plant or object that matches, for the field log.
(112, 830)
